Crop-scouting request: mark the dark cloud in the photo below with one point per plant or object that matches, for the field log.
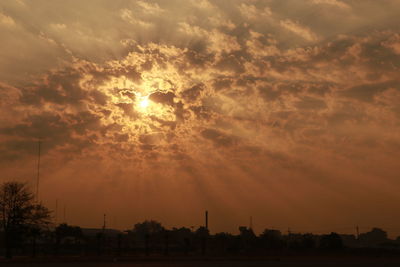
(219, 138)
(309, 103)
(193, 93)
(163, 98)
(367, 92)
(54, 130)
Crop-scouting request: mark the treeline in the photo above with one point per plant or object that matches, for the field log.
(27, 230)
(151, 238)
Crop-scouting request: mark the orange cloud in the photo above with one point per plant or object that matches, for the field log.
(235, 106)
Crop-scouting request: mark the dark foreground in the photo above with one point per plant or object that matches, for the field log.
(287, 262)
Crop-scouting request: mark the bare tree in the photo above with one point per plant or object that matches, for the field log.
(20, 216)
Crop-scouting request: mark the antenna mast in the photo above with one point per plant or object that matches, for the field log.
(38, 172)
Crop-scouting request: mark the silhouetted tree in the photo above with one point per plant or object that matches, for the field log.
(166, 244)
(374, 237)
(332, 241)
(147, 230)
(148, 227)
(19, 215)
(272, 239)
(222, 240)
(119, 244)
(201, 231)
(308, 241)
(182, 238)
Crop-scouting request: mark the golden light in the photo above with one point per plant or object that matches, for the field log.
(144, 103)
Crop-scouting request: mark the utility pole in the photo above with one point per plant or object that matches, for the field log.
(104, 223)
(65, 214)
(38, 172)
(206, 217)
(205, 235)
(357, 232)
(56, 217)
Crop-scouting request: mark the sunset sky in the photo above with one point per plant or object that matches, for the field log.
(284, 110)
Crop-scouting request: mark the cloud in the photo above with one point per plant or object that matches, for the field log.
(335, 3)
(127, 16)
(394, 43)
(298, 29)
(218, 138)
(367, 92)
(252, 12)
(151, 8)
(6, 21)
(244, 96)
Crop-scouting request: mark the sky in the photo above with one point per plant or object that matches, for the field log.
(284, 110)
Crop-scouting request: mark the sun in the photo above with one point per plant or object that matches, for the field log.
(144, 103)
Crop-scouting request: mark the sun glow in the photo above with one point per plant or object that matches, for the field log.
(144, 103)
